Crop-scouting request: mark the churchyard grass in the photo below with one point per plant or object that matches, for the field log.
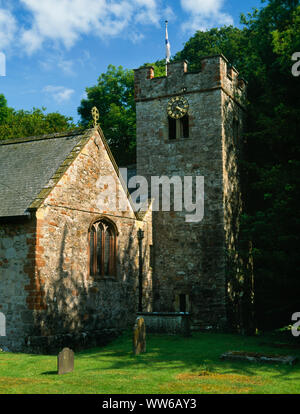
(172, 364)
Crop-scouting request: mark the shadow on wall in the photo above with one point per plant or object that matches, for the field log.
(239, 270)
(81, 311)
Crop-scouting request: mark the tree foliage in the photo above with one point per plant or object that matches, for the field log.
(228, 40)
(159, 67)
(272, 166)
(114, 97)
(20, 123)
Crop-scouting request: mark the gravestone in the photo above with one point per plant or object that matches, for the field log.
(256, 357)
(139, 336)
(65, 361)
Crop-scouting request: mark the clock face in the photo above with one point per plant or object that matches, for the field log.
(177, 107)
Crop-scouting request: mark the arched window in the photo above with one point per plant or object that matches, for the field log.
(102, 249)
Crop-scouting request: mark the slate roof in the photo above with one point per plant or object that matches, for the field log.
(31, 167)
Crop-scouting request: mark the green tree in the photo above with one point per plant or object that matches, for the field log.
(272, 167)
(286, 40)
(20, 123)
(159, 67)
(228, 40)
(3, 108)
(114, 97)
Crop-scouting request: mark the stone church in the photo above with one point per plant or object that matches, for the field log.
(73, 271)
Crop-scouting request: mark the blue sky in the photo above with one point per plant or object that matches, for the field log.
(56, 48)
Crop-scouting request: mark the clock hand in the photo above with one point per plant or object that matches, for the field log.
(180, 109)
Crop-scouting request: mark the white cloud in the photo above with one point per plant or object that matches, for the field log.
(66, 66)
(55, 61)
(8, 27)
(201, 6)
(169, 14)
(147, 12)
(136, 37)
(65, 21)
(204, 14)
(59, 93)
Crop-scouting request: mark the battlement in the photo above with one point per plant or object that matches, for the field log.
(215, 73)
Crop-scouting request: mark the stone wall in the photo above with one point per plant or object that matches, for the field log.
(239, 269)
(74, 300)
(172, 323)
(16, 267)
(61, 296)
(190, 258)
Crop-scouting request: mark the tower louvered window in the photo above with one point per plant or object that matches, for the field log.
(178, 128)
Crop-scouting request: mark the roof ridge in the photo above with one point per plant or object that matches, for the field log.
(53, 135)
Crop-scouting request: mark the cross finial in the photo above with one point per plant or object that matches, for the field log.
(95, 114)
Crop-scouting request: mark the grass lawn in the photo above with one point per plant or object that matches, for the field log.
(171, 365)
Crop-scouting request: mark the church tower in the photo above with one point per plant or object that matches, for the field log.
(190, 124)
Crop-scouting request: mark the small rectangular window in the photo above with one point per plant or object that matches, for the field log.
(184, 123)
(172, 128)
(182, 303)
(179, 128)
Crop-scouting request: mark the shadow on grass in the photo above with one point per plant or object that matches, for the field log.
(195, 354)
(49, 373)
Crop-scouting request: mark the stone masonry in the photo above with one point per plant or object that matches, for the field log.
(46, 290)
(196, 260)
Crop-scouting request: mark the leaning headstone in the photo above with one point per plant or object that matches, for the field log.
(139, 336)
(65, 361)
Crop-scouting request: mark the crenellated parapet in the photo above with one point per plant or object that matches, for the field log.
(216, 73)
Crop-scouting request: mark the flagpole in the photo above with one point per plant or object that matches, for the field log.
(167, 46)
